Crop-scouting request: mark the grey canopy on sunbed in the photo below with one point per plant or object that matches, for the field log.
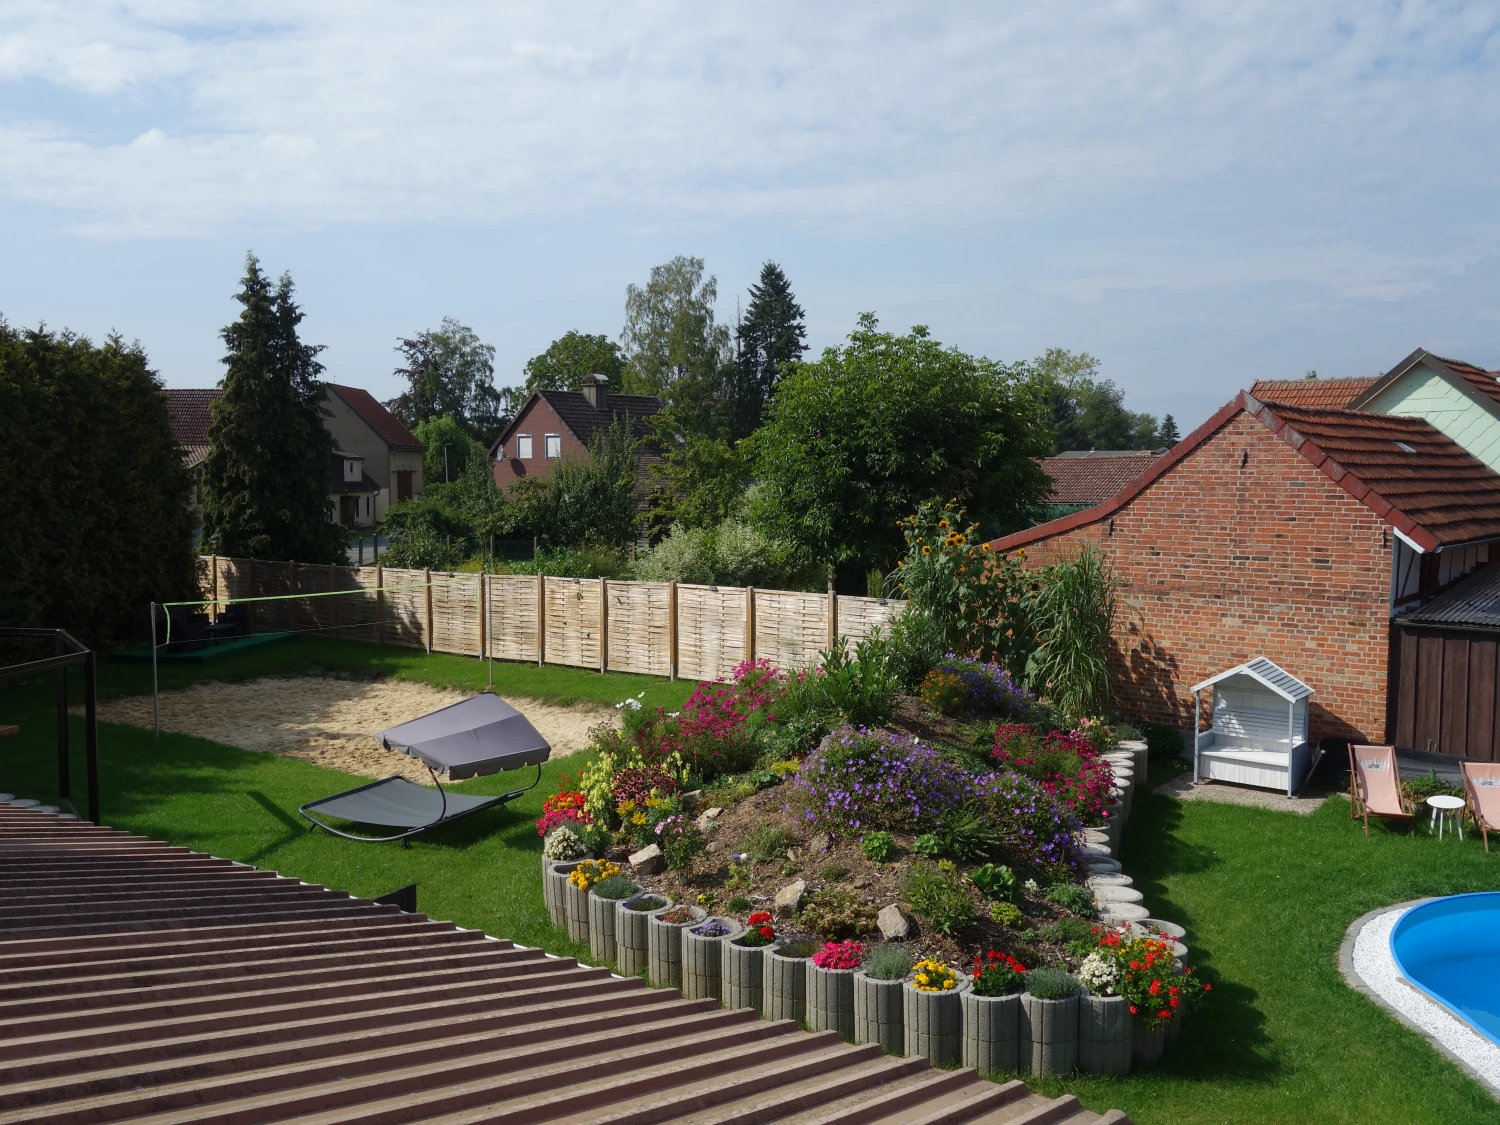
(481, 735)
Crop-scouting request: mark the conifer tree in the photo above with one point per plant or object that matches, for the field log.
(770, 335)
(267, 475)
(1168, 434)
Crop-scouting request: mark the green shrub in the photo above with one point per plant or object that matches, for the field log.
(969, 833)
(944, 692)
(1163, 743)
(832, 872)
(888, 962)
(1071, 896)
(1068, 930)
(994, 880)
(1074, 610)
(1007, 914)
(917, 644)
(928, 844)
(1420, 788)
(838, 915)
(1052, 984)
(860, 688)
(767, 842)
(877, 847)
(739, 904)
(939, 897)
(616, 887)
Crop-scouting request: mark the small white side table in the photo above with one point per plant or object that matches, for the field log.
(1445, 808)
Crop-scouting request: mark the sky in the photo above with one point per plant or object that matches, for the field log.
(1200, 194)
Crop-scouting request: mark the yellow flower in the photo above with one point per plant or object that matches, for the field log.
(942, 523)
(927, 550)
(949, 983)
(638, 819)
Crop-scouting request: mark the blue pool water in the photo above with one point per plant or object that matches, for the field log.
(1450, 949)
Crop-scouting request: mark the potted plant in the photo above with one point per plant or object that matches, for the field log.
(1104, 1023)
(562, 845)
(932, 1014)
(1158, 991)
(633, 932)
(576, 893)
(878, 1008)
(1049, 1022)
(992, 1013)
(605, 897)
(743, 964)
(830, 987)
(557, 880)
(664, 942)
(703, 957)
(786, 978)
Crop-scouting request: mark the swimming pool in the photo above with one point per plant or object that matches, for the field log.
(1450, 949)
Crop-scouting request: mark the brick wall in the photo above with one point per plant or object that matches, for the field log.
(537, 419)
(1244, 549)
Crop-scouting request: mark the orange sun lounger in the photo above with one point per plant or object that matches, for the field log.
(1482, 787)
(1375, 786)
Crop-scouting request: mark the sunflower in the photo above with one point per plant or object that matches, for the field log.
(927, 550)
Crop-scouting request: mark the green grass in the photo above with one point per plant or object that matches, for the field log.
(1266, 896)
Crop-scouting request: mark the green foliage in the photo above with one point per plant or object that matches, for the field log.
(450, 371)
(1052, 984)
(269, 467)
(616, 887)
(732, 554)
(1089, 412)
(1163, 742)
(1074, 610)
(1007, 914)
(888, 962)
(970, 833)
(739, 904)
(584, 501)
(1067, 931)
(928, 844)
(994, 880)
(569, 358)
(449, 522)
(569, 562)
(939, 897)
(673, 349)
(917, 644)
(859, 437)
(444, 434)
(1071, 896)
(767, 842)
(700, 480)
(837, 915)
(1420, 788)
(877, 847)
(860, 689)
(94, 503)
(833, 872)
(768, 337)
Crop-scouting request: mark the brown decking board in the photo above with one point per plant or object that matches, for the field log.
(141, 983)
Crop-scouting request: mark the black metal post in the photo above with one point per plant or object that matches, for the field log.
(91, 736)
(62, 728)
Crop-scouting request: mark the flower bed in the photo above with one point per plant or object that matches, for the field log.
(1066, 764)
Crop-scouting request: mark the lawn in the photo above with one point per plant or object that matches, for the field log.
(1266, 896)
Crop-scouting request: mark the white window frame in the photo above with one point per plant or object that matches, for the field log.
(553, 442)
(523, 447)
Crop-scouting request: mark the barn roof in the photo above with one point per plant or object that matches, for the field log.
(1089, 476)
(1474, 601)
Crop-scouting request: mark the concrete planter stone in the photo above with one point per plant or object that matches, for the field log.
(1170, 929)
(1049, 1035)
(633, 936)
(556, 882)
(879, 1012)
(576, 902)
(830, 1001)
(1138, 751)
(992, 1031)
(1104, 1034)
(742, 970)
(664, 946)
(933, 1023)
(602, 925)
(786, 979)
(1147, 1046)
(703, 961)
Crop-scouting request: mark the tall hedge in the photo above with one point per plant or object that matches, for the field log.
(94, 516)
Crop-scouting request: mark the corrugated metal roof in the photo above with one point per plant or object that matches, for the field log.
(1266, 672)
(141, 982)
(1474, 601)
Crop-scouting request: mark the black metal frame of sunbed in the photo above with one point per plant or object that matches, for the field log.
(470, 804)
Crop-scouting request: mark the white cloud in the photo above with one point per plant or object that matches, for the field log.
(877, 119)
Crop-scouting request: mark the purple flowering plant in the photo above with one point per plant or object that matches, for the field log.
(990, 688)
(859, 780)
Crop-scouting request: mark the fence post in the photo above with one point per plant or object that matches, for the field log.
(833, 616)
(603, 625)
(255, 590)
(427, 578)
(750, 623)
(213, 562)
(672, 629)
(541, 619)
(379, 604)
(333, 584)
(292, 606)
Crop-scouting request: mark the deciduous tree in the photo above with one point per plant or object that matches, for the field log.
(672, 346)
(450, 370)
(569, 358)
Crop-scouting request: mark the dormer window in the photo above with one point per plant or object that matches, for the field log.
(523, 447)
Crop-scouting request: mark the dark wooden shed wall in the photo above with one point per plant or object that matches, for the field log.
(1445, 682)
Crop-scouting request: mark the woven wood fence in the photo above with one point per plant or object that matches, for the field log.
(658, 628)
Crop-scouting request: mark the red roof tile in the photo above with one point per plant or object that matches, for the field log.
(1328, 394)
(385, 424)
(1477, 377)
(190, 417)
(1087, 477)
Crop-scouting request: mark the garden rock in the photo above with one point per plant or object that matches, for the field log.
(714, 846)
(648, 861)
(894, 922)
(794, 855)
(690, 800)
(789, 898)
(819, 843)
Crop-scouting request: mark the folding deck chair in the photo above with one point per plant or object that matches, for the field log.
(1482, 787)
(1375, 786)
(478, 736)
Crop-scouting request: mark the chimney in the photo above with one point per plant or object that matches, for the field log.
(595, 389)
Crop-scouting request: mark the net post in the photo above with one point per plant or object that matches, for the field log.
(427, 578)
(91, 733)
(155, 694)
(603, 625)
(62, 723)
(379, 604)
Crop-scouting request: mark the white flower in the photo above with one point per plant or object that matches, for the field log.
(619, 705)
(1100, 974)
(1031, 887)
(633, 704)
(673, 714)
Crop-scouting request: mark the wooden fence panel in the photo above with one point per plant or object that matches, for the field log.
(405, 608)
(572, 623)
(857, 616)
(512, 625)
(455, 613)
(710, 630)
(790, 628)
(639, 630)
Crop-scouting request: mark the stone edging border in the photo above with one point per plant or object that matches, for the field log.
(1356, 982)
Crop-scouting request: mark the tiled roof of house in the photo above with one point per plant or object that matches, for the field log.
(1403, 469)
(1327, 394)
(146, 983)
(1477, 377)
(1091, 476)
(584, 420)
(386, 425)
(190, 417)
(1474, 601)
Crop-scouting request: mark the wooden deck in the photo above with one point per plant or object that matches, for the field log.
(146, 983)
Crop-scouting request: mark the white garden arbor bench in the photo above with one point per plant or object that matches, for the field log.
(1259, 731)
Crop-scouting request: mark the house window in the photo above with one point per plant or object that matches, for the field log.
(554, 445)
(523, 447)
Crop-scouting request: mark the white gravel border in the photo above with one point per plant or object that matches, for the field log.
(1367, 964)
